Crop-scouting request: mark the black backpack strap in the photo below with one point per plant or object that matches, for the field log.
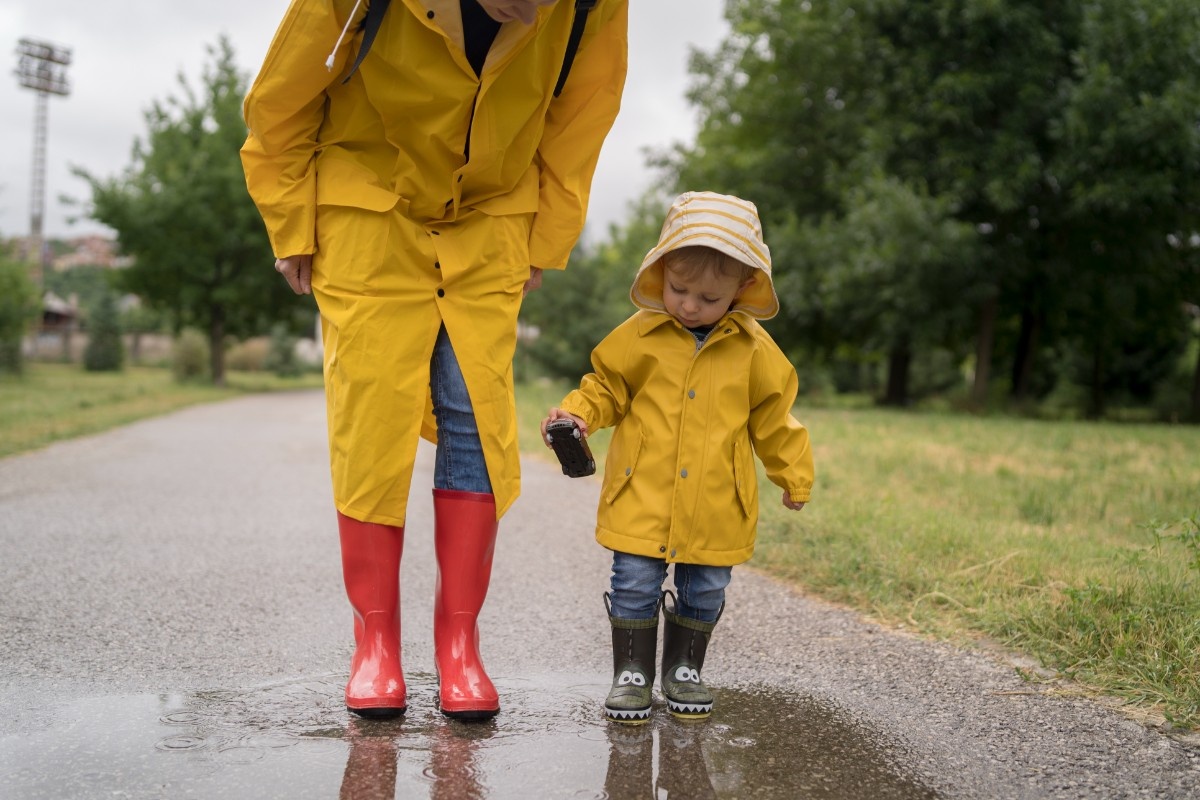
(370, 27)
(582, 7)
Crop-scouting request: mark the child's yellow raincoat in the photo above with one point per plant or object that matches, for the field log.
(680, 482)
(372, 176)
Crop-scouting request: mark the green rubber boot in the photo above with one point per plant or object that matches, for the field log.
(685, 642)
(635, 642)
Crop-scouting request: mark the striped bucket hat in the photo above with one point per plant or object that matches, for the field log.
(724, 223)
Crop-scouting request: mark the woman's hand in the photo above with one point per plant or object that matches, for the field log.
(535, 280)
(297, 270)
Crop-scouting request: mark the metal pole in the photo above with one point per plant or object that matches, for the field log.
(37, 192)
(43, 68)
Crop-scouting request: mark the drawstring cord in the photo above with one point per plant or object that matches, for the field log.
(338, 43)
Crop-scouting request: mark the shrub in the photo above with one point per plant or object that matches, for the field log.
(282, 356)
(250, 355)
(18, 308)
(190, 356)
(105, 351)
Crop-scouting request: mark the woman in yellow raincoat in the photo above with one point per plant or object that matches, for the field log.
(416, 170)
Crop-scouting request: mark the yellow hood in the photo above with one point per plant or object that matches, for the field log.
(722, 222)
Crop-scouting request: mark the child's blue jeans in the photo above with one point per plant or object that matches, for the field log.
(459, 463)
(637, 586)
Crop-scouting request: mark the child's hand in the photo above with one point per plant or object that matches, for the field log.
(787, 501)
(558, 413)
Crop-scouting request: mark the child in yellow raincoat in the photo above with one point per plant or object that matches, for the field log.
(695, 388)
(416, 170)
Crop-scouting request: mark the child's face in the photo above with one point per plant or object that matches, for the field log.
(699, 300)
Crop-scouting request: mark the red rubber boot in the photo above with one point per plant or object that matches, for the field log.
(464, 539)
(371, 568)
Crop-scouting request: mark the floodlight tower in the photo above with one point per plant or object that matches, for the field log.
(43, 68)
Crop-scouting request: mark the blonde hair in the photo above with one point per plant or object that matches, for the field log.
(692, 261)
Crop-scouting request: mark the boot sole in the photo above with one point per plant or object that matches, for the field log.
(378, 713)
(627, 717)
(689, 710)
(473, 715)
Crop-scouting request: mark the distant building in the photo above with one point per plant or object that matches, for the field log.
(89, 251)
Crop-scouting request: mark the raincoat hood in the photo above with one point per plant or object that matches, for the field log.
(722, 222)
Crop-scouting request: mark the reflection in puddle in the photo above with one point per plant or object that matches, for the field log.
(295, 740)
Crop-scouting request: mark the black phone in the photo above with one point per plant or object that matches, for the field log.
(571, 448)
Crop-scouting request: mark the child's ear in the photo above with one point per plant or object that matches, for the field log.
(746, 284)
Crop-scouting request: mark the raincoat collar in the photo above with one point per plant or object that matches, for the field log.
(651, 320)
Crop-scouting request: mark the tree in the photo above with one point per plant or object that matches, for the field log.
(576, 308)
(1065, 135)
(1129, 164)
(18, 308)
(182, 211)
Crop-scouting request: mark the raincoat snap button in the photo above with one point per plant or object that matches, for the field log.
(437, 265)
(662, 549)
(691, 394)
(628, 470)
(429, 14)
(683, 473)
(729, 330)
(673, 553)
(460, 178)
(441, 292)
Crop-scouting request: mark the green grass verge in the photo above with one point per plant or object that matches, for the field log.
(1075, 543)
(49, 402)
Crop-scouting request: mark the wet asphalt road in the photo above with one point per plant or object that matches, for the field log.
(174, 626)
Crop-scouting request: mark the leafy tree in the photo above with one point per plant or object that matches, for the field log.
(19, 307)
(1063, 134)
(105, 351)
(577, 307)
(182, 211)
(1129, 164)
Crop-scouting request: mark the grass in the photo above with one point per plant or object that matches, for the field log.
(49, 402)
(1075, 543)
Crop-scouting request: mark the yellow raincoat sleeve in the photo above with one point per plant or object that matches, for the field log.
(603, 396)
(780, 441)
(577, 122)
(284, 110)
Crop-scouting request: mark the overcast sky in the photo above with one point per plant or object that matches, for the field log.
(128, 53)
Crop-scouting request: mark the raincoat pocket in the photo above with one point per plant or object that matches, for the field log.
(745, 478)
(344, 183)
(621, 464)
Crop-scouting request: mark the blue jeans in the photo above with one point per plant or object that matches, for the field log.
(637, 587)
(459, 463)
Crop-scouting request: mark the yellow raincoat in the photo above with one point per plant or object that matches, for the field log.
(372, 177)
(680, 482)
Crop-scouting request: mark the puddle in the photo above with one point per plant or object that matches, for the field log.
(296, 741)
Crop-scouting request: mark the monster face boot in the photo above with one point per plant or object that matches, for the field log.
(371, 570)
(685, 641)
(634, 643)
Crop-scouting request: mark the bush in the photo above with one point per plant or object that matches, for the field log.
(105, 351)
(250, 355)
(282, 356)
(190, 356)
(19, 306)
